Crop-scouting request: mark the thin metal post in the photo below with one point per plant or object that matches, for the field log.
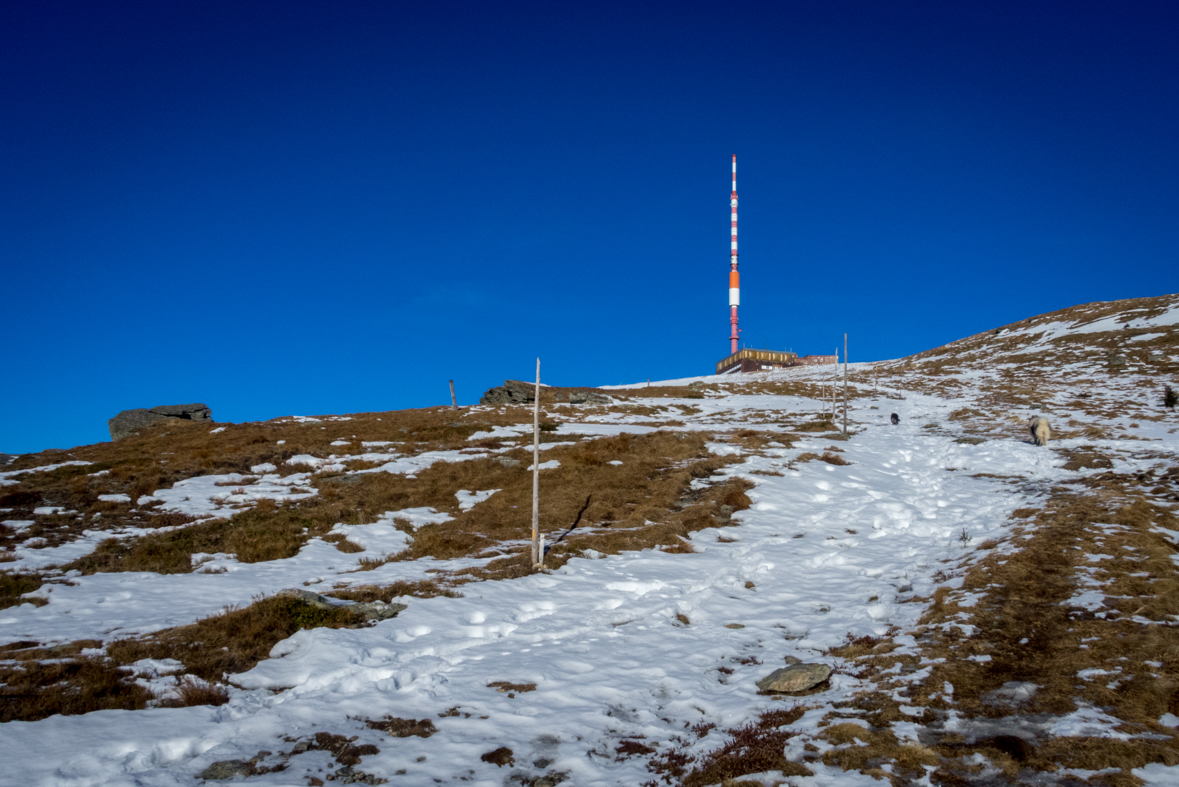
(536, 469)
(845, 383)
(453, 400)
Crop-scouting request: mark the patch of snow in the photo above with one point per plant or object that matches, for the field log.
(468, 500)
(9, 477)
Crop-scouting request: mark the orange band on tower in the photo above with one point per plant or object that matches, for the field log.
(734, 280)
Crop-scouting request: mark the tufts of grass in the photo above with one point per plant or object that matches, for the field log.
(232, 641)
(36, 683)
(196, 692)
(749, 748)
(13, 585)
(1086, 457)
(827, 456)
(403, 728)
(426, 588)
(173, 451)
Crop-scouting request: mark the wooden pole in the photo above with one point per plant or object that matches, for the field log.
(845, 383)
(536, 470)
(453, 400)
(834, 384)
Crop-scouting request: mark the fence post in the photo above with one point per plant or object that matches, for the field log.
(453, 400)
(536, 469)
(845, 383)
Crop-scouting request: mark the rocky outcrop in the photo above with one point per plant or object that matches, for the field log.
(795, 678)
(517, 392)
(131, 422)
(7, 459)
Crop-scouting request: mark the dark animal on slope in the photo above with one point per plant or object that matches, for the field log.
(896, 419)
(1040, 429)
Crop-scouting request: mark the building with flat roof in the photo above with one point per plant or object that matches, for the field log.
(756, 360)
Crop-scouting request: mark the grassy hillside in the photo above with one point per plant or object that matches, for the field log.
(1029, 636)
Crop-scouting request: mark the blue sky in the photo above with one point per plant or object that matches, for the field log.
(300, 208)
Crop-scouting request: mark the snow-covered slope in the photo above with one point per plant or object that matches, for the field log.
(638, 668)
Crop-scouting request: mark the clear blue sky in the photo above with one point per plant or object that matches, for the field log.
(295, 208)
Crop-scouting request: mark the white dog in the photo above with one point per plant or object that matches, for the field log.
(1040, 429)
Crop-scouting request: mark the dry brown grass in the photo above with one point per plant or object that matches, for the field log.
(1030, 634)
(232, 641)
(403, 728)
(170, 452)
(586, 503)
(507, 687)
(39, 682)
(755, 439)
(749, 748)
(655, 473)
(827, 456)
(342, 748)
(426, 588)
(645, 502)
(1085, 457)
(14, 584)
(196, 692)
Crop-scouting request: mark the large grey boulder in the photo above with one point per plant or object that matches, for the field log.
(517, 392)
(131, 422)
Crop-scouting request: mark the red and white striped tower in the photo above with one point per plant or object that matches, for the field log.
(734, 277)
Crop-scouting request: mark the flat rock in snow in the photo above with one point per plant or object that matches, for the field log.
(796, 677)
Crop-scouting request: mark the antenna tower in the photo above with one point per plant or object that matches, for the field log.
(734, 277)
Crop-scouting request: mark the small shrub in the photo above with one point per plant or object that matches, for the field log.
(14, 585)
(194, 692)
(630, 747)
(499, 757)
(1170, 398)
(404, 728)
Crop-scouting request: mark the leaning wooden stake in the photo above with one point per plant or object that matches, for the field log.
(845, 383)
(537, 558)
(453, 400)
